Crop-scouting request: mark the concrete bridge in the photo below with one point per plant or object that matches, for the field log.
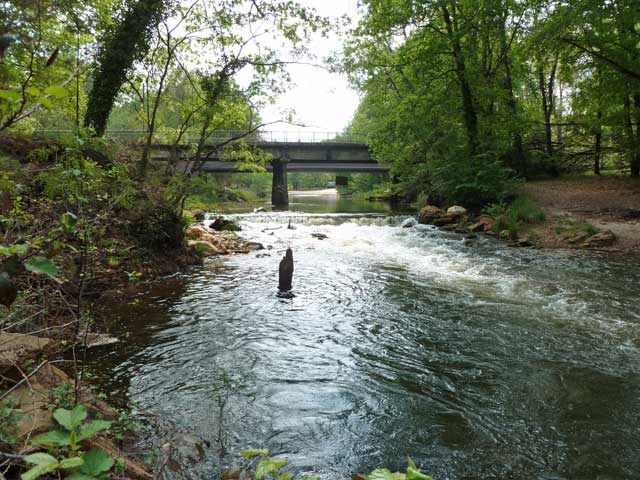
(301, 151)
(289, 152)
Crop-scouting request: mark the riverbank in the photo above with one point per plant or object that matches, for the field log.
(580, 213)
(606, 203)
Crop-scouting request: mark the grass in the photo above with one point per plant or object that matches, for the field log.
(511, 217)
(576, 230)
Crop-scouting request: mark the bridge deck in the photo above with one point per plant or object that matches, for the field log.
(294, 166)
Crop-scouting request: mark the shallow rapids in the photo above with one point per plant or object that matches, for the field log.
(478, 360)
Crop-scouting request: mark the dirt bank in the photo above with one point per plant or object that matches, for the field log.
(607, 203)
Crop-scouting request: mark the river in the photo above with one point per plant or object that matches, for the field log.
(478, 360)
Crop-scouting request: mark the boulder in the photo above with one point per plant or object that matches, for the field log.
(429, 213)
(601, 239)
(456, 211)
(409, 222)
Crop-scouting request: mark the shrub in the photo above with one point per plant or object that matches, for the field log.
(510, 216)
(472, 183)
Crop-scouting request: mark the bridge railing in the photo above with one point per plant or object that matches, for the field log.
(285, 136)
(222, 136)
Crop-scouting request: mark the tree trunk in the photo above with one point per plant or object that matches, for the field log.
(546, 92)
(519, 159)
(635, 166)
(634, 161)
(285, 272)
(470, 115)
(598, 146)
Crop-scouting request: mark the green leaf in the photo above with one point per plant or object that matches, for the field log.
(45, 102)
(33, 91)
(256, 452)
(56, 91)
(263, 468)
(19, 249)
(10, 95)
(380, 474)
(414, 474)
(80, 476)
(40, 458)
(72, 462)
(44, 463)
(43, 266)
(70, 419)
(54, 438)
(90, 429)
(69, 222)
(411, 463)
(96, 461)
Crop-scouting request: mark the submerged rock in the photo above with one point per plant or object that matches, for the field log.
(409, 222)
(319, 236)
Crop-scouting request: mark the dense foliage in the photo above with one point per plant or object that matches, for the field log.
(461, 96)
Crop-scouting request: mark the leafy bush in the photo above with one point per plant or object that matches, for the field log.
(510, 216)
(472, 183)
(65, 454)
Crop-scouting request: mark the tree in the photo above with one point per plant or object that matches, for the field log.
(121, 48)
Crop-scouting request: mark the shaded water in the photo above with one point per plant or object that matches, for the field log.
(478, 360)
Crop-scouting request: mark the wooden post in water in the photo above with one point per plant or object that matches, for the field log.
(285, 274)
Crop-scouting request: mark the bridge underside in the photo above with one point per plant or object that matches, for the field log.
(289, 157)
(325, 167)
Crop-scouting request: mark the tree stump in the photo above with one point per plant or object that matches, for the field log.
(285, 276)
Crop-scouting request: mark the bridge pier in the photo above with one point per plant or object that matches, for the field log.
(280, 184)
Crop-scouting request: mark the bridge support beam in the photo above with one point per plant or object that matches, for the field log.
(280, 185)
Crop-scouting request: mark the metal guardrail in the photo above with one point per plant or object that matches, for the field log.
(222, 136)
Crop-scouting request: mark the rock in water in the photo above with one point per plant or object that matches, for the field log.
(409, 222)
(285, 276)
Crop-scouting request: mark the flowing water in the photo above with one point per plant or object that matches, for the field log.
(478, 360)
